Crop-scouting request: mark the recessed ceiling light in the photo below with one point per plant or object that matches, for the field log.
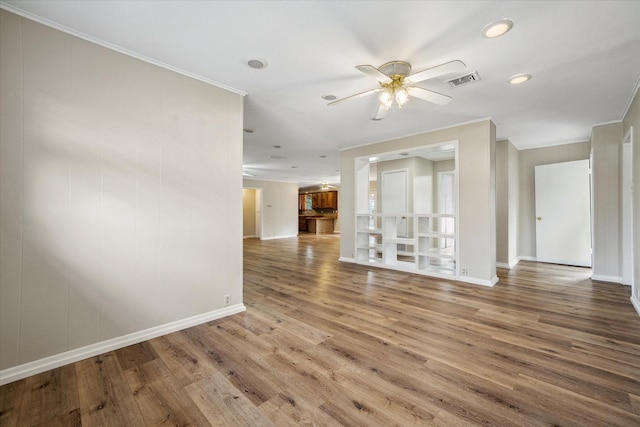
(329, 97)
(404, 154)
(275, 157)
(519, 78)
(293, 167)
(247, 130)
(258, 64)
(277, 146)
(497, 28)
(323, 156)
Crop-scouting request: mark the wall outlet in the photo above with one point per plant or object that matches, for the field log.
(464, 271)
(227, 299)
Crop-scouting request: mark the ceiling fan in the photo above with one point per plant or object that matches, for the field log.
(396, 84)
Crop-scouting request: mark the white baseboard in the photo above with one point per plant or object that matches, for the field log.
(509, 265)
(345, 259)
(279, 237)
(249, 237)
(476, 281)
(37, 366)
(604, 278)
(527, 258)
(636, 304)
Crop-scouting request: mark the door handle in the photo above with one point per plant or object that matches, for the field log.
(539, 218)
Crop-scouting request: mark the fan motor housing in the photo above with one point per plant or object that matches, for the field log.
(395, 68)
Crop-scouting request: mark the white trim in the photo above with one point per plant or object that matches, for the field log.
(527, 258)
(605, 278)
(37, 366)
(552, 144)
(345, 259)
(482, 282)
(279, 237)
(75, 33)
(636, 304)
(249, 237)
(508, 265)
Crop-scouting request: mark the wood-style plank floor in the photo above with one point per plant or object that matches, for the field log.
(325, 343)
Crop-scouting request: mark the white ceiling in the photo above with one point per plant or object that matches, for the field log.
(584, 57)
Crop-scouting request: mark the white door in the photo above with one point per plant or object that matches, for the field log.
(394, 196)
(445, 206)
(563, 216)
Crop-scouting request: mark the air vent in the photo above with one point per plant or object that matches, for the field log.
(464, 79)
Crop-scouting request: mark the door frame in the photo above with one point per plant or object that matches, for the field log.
(627, 249)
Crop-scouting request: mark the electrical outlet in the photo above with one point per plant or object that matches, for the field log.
(227, 299)
(464, 271)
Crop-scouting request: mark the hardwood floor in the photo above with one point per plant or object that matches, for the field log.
(330, 343)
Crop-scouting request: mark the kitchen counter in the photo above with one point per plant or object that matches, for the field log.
(319, 224)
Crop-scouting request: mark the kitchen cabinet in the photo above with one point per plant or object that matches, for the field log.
(324, 200)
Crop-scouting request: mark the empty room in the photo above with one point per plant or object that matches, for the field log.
(319, 213)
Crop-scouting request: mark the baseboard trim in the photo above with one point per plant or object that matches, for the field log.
(38, 366)
(604, 278)
(249, 237)
(345, 259)
(483, 282)
(636, 304)
(507, 266)
(527, 258)
(279, 237)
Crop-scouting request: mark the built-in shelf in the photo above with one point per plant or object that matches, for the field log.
(422, 246)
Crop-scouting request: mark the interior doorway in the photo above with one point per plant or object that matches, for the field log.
(563, 213)
(627, 208)
(252, 213)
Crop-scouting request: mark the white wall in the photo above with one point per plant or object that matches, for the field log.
(120, 193)
(605, 171)
(279, 208)
(476, 214)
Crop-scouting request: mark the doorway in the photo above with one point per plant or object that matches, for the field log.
(394, 197)
(563, 213)
(252, 213)
(627, 209)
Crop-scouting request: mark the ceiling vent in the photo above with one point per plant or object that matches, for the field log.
(464, 79)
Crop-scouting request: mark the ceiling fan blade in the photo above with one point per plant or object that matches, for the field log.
(438, 70)
(372, 71)
(428, 95)
(357, 95)
(381, 113)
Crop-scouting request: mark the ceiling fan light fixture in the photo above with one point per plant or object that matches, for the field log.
(497, 28)
(402, 96)
(386, 98)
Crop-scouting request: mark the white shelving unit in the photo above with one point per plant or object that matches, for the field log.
(423, 248)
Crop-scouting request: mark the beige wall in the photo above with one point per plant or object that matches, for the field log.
(120, 194)
(476, 213)
(632, 118)
(528, 160)
(248, 212)
(507, 196)
(279, 208)
(513, 200)
(605, 175)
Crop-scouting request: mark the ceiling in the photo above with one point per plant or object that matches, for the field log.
(584, 58)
